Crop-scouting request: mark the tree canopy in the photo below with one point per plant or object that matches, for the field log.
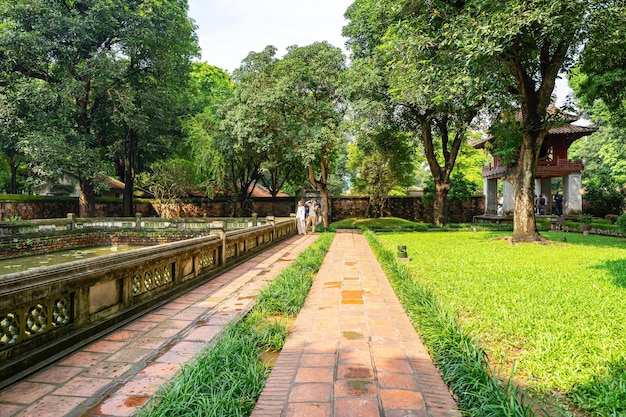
(312, 76)
(533, 42)
(115, 68)
(600, 73)
(109, 87)
(409, 51)
(283, 121)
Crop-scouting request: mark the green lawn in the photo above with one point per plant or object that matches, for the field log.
(555, 312)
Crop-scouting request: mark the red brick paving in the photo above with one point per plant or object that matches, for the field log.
(352, 351)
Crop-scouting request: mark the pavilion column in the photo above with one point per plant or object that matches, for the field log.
(537, 187)
(546, 188)
(508, 199)
(572, 193)
(491, 196)
(537, 192)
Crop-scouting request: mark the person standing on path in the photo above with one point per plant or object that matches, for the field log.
(313, 213)
(542, 204)
(301, 219)
(558, 203)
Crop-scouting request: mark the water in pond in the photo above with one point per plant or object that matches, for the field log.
(23, 263)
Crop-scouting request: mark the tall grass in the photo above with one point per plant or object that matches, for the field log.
(555, 313)
(227, 378)
(286, 294)
(464, 364)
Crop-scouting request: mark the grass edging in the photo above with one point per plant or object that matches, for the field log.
(227, 378)
(462, 362)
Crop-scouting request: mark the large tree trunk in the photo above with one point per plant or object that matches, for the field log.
(440, 202)
(535, 99)
(375, 206)
(325, 207)
(441, 174)
(13, 165)
(522, 177)
(245, 205)
(129, 174)
(321, 185)
(86, 199)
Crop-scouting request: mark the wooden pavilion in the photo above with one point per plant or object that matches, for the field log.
(553, 162)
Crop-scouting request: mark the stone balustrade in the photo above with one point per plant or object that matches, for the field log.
(16, 228)
(47, 312)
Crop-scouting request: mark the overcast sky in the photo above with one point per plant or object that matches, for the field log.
(229, 29)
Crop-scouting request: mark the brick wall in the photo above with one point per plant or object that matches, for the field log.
(45, 209)
(54, 208)
(409, 208)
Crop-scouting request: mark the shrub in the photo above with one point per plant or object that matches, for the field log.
(611, 218)
(461, 189)
(621, 222)
(604, 199)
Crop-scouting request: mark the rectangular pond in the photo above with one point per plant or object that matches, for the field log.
(25, 263)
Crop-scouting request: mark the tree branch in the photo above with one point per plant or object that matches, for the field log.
(35, 74)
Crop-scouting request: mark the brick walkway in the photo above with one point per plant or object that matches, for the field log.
(117, 374)
(353, 351)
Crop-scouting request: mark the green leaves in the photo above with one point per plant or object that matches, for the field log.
(604, 154)
(425, 80)
(168, 181)
(285, 116)
(381, 159)
(115, 69)
(600, 73)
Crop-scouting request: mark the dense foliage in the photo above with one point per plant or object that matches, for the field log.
(99, 88)
(601, 70)
(108, 76)
(379, 162)
(403, 55)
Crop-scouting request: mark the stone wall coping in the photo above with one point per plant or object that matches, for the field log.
(72, 271)
(66, 272)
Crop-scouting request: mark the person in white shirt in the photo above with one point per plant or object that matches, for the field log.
(300, 219)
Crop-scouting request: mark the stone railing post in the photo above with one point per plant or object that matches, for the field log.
(294, 222)
(254, 219)
(72, 220)
(271, 221)
(218, 228)
(138, 221)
